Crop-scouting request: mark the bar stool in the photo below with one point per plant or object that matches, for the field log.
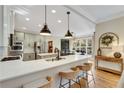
(86, 68)
(82, 82)
(69, 76)
(49, 83)
(44, 83)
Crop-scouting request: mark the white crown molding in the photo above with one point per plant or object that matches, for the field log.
(115, 16)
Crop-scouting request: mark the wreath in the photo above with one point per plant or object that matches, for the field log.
(107, 40)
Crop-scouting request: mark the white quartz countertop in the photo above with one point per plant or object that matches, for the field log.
(13, 69)
(45, 54)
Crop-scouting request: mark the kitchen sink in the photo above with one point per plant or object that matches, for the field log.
(54, 59)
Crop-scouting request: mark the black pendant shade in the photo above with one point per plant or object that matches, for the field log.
(45, 30)
(68, 34)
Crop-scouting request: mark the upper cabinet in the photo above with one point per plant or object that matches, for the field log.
(83, 45)
(28, 40)
(19, 36)
(89, 46)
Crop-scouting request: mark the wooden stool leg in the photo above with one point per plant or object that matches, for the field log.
(93, 76)
(60, 85)
(69, 83)
(87, 78)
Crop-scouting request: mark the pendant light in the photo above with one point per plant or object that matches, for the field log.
(68, 34)
(45, 30)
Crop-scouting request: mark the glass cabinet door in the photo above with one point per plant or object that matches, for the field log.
(89, 46)
(83, 45)
(89, 50)
(89, 42)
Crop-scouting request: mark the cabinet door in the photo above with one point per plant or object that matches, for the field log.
(26, 43)
(32, 40)
(29, 43)
(89, 50)
(19, 36)
(89, 42)
(65, 46)
(89, 46)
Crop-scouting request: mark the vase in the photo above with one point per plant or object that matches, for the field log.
(99, 52)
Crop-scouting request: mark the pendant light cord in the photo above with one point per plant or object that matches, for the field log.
(68, 18)
(68, 34)
(68, 21)
(45, 14)
(45, 30)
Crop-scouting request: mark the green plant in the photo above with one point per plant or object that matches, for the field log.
(107, 40)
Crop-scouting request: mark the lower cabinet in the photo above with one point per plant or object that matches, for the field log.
(28, 56)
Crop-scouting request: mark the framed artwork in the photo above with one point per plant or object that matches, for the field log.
(50, 46)
(107, 40)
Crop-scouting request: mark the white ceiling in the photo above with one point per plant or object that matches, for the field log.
(82, 19)
(104, 12)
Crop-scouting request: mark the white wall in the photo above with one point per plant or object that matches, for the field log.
(1, 24)
(6, 27)
(1, 29)
(116, 26)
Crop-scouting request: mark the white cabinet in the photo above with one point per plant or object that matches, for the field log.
(28, 39)
(89, 46)
(1, 25)
(29, 43)
(19, 36)
(84, 45)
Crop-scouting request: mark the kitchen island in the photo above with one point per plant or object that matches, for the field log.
(18, 73)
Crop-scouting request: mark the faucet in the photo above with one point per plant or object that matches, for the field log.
(58, 57)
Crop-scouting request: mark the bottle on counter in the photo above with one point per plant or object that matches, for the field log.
(99, 52)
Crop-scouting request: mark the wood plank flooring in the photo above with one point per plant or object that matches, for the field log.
(103, 79)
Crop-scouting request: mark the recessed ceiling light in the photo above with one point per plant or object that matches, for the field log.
(59, 21)
(53, 11)
(24, 28)
(27, 19)
(39, 25)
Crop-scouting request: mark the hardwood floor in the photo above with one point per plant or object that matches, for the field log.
(103, 79)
